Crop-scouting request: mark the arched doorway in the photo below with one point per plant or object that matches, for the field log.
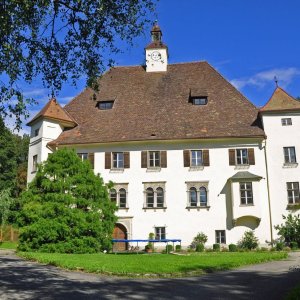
(120, 232)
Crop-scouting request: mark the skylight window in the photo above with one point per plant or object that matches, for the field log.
(199, 100)
(105, 105)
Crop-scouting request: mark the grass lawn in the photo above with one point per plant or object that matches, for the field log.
(163, 265)
(8, 245)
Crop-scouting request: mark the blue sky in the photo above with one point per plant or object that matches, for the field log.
(247, 41)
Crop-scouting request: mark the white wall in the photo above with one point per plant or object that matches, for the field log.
(181, 222)
(279, 136)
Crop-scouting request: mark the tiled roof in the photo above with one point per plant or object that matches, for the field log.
(245, 175)
(156, 45)
(280, 101)
(53, 110)
(156, 106)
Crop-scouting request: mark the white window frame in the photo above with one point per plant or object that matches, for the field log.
(220, 236)
(197, 161)
(197, 187)
(119, 187)
(248, 196)
(34, 163)
(241, 156)
(117, 160)
(156, 188)
(160, 232)
(293, 192)
(286, 122)
(289, 157)
(154, 158)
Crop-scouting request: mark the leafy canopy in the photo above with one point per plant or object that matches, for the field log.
(60, 40)
(290, 230)
(66, 208)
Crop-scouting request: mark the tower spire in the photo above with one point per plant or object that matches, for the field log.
(276, 81)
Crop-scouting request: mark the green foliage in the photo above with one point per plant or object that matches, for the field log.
(249, 241)
(5, 204)
(290, 230)
(66, 208)
(279, 246)
(200, 238)
(169, 248)
(178, 248)
(216, 247)
(62, 40)
(294, 245)
(200, 247)
(150, 244)
(232, 248)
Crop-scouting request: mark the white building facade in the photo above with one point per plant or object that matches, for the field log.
(185, 150)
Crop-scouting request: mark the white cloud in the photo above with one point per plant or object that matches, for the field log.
(284, 76)
(35, 92)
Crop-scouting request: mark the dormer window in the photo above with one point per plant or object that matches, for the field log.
(105, 105)
(199, 100)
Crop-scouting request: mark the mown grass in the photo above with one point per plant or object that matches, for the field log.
(8, 245)
(161, 265)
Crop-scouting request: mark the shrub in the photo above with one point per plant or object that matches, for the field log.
(287, 249)
(200, 247)
(290, 230)
(216, 247)
(178, 248)
(232, 248)
(169, 248)
(294, 245)
(224, 249)
(200, 238)
(279, 246)
(249, 241)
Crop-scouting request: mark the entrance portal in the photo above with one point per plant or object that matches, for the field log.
(120, 233)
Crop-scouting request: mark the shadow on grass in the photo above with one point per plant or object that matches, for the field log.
(25, 280)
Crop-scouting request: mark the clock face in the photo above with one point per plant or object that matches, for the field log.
(155, 55)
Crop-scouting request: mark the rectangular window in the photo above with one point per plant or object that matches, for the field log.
(36, 132)
(34, 163)
(293, 192)
(105, 105)
(286, 121)
(160, 233)
(220, 237)
(246, 193)
(83, 156)
(199, 100)
(196, 158)
(154, 159)
(242, 157)
(118, 160)
(289, 155)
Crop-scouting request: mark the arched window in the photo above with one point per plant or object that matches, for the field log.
(122, 197)
(113, 195)
(203, 196)
(193, 196)
(160, 197)
(149, 197)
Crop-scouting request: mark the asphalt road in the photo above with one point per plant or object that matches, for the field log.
(21, 279)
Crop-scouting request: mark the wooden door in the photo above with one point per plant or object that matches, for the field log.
(120, 233)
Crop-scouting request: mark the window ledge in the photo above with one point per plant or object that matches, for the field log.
(155, 208)
(196, 168)
(123, 208)
(116, 170)
(290, 165)
(198, 207)
(241, 167)
(246, 205)
(33, 172)
(153, 169)
(294, 206)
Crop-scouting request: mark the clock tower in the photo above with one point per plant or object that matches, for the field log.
(156, 52)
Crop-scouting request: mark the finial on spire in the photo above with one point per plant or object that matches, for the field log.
(276, 81)
(156, 33)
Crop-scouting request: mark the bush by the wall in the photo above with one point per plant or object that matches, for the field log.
(169, 248)
(232, 248)
(249, 241)
(294, 245)
(279, 246)
(216, 247)
(200, 247)
(178, 248)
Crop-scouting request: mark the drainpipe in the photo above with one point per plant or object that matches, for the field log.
(268, 188)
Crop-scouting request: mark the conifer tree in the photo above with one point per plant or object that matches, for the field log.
(66, 208)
